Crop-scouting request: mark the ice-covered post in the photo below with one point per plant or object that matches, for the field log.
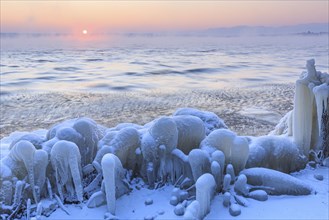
(108, 167)
(205, 189)
(310, 102)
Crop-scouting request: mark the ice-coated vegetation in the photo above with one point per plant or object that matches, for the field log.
(80, 160)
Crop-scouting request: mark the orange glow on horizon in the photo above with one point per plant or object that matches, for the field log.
(105, 16)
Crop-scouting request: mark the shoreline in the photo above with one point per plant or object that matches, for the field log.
(246, 111)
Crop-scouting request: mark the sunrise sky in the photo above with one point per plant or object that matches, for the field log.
(106, 16)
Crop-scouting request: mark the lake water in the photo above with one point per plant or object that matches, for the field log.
(113, 63)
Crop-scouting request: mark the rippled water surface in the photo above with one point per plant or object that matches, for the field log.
(104, 63)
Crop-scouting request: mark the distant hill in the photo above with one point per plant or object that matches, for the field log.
(313, 28)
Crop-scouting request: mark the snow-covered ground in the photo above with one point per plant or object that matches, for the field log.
(132, 206)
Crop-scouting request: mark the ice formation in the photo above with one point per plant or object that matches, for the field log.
(123, 144)
(108, 166)
(275, 182)
(235, 148)
(276, 152)
(156, 145)
(190, 149)
(191, 132)
(205, 190)
(305, 121)
(20, 163)
(210, 119)
(192, 211)
(199, 162)
(66, 161)
(84, 132)
(40, 168)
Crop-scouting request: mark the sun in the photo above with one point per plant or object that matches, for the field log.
(84, 32)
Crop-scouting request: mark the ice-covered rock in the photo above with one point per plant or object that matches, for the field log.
(211, 120)
(205, 190)
(259, 195)
(148, 201)
(192, 211)
(235, 210)
(173, 200)
(276, 152)
(318, 177)
(179, 210)
(275, 182)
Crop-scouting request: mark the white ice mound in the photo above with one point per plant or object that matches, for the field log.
(235, 148)
(275, 182)
(84, 132)
(34, 139)
(191, 132)
(123, 144)
(275, 152)
(210, 119)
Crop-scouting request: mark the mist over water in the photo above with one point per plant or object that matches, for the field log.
(120, 63)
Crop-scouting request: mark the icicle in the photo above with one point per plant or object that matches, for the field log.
(28, 209)
(18, 193)
(150, 175)
(321, 97)
(50, 191)
(108, 166)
